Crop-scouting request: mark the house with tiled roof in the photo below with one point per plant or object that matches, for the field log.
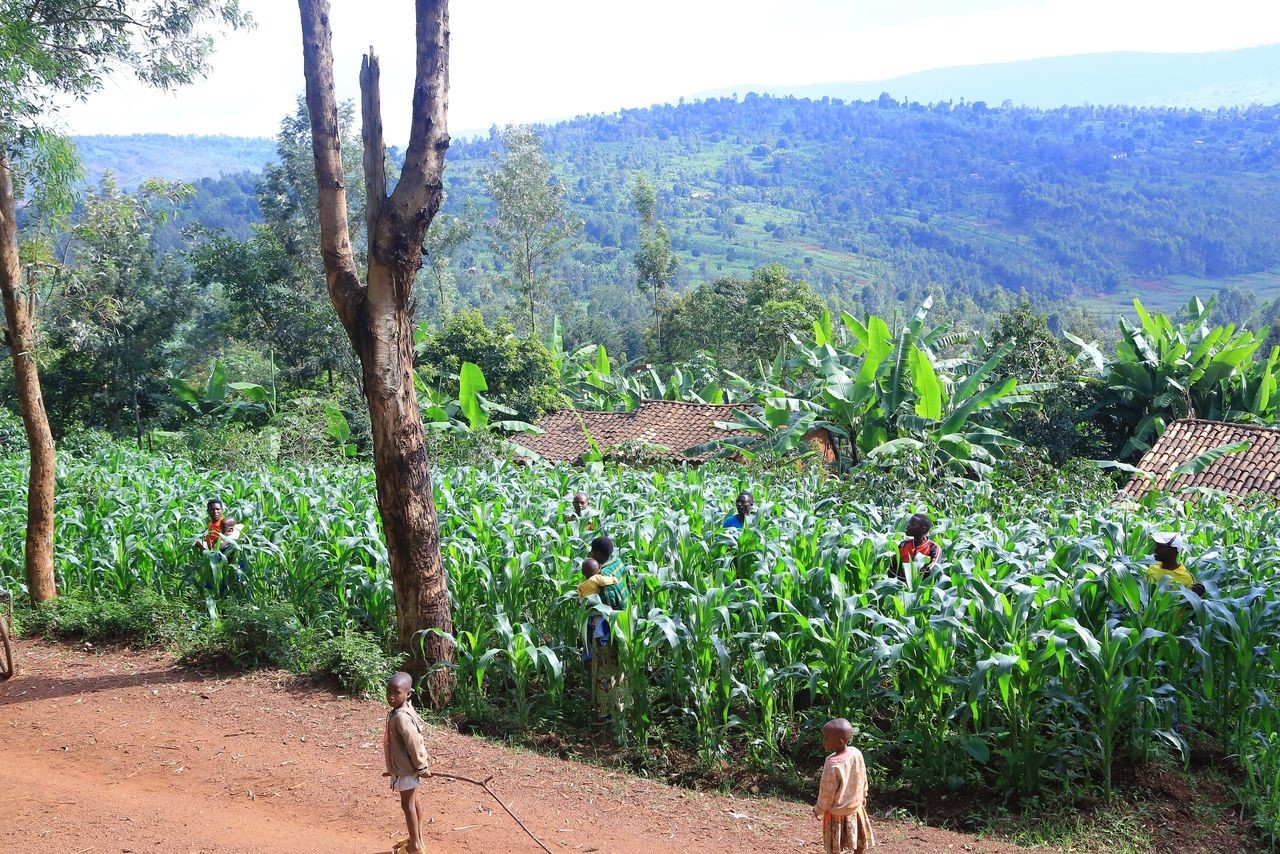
(1254, 470)
(665, 429)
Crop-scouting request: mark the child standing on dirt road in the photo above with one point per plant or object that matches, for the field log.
(842, 794)
(406, 757)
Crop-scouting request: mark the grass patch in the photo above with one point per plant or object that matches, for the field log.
(1119, 828)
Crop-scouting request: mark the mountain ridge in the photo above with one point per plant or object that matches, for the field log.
(1208, 80)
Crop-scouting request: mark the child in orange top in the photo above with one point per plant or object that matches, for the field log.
(842, 795)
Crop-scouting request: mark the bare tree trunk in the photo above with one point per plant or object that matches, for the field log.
(20, 337)
(377, 313)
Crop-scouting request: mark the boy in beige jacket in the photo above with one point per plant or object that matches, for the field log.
(842, 795)
(406, 757)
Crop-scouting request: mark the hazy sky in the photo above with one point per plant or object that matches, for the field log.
(523, 60)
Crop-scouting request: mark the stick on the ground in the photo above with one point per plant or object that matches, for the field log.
(484, 784)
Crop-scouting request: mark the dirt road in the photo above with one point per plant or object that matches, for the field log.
(126, 752)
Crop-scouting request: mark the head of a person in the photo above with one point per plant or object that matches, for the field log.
(1168, 548)
(399, 687)
(580, 503)
(836, 734)
(601, 550)
(919, 525)
(590, 568)
(745, 503)
(215, 510)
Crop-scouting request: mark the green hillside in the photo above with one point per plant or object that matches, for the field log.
(875, 203)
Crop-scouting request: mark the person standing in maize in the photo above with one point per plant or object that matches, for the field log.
(916, 544)
(581, 514)
(222, 531)
(743, 506)
(842, 794)
(603, 577)
(1170, 550)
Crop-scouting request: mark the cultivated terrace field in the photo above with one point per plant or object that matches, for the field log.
(1036, 673)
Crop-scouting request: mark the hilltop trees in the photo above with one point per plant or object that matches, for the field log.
(60, 48)
(376, 310)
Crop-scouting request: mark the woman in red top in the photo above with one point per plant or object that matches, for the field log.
(220, 528)
(918, 543)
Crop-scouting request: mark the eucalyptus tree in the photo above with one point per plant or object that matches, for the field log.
(58, 49)
(532, 226)
(376, 310)
(655, 261)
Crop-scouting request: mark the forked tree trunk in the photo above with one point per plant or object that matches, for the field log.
(20, 337)
(377, 315)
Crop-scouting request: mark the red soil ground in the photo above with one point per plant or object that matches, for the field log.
(122, 751)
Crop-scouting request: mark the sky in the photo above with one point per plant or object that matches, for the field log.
(529, 61)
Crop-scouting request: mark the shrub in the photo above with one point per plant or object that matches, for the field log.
(305, 434)
(81, 441)
(143, 619)
(247, 635)
(450, 448)
(519, 371)
(356, 661)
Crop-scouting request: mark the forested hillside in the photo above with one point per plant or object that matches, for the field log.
(877, 200)
(133, 159)
(876, 203)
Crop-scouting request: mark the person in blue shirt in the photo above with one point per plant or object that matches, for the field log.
(745, 504)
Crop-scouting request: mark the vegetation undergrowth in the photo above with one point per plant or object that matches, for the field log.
(239, 636)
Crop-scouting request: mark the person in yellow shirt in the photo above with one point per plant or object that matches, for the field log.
(601, 654)
(1169, 549)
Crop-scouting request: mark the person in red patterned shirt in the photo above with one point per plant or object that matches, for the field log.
(917, 545)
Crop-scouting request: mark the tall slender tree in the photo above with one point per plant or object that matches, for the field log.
(377, 311)
(655, 261)
(532, 226)
(58, 48)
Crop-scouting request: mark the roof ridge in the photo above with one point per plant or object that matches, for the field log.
(648, 401)
(1243, 425)
(645, 400)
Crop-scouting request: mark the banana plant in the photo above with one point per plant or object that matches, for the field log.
(220, 398)
(470, 410)
(1164, 370)
(777, 433)
(946, 423)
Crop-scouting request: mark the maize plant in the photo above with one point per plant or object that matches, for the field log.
(1035, 656)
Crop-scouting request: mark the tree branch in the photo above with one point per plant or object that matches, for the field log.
(345, 288)
(375, 151)
(420, 190)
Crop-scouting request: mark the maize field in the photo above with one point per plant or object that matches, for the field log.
(1039, 657)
